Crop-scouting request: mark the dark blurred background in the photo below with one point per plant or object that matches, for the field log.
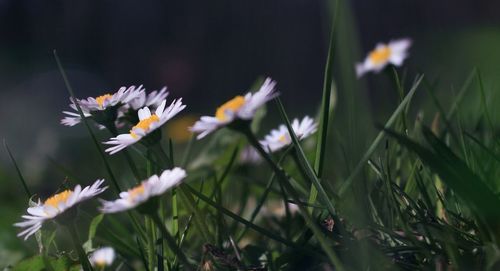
(209, 51)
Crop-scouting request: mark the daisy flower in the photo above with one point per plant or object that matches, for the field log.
(393, 53)
(279, 138)
(250, 156)
(95, 105)
(153, 99)
(148, 189)
(147, 124)
(55, 206)
(240, 107)
(102, 257)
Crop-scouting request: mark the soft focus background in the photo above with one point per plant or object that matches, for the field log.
(207, 52)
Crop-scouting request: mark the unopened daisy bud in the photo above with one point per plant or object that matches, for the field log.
(103, 109)
(146, 127)
(250, 156)
(57, 207)
(240, 109)
(102, 257)
(393, 53)
(279, 138)
(144, 196)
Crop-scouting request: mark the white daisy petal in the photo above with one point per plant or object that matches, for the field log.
(152, 187)
(102, 257)
(147, 124)
(279, 138)
(240, 107)
(54, 206)
(101, 103)
(395, 52)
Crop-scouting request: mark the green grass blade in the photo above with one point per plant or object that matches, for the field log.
(454, 172)
(19, 174)
(188, 189)
(326, 109)
(303, 160)
(379, 137)
(199, 216)
(84, 120)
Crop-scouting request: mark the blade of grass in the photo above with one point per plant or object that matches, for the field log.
(303, 160)
(326, 111)
(199, 217)
(85, 122)
(461, 94)
(188, 189)
(19, 174)
(379, 137)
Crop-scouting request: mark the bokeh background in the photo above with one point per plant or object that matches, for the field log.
(207, 52)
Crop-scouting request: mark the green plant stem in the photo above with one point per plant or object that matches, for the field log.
(170, 240)
(21, 177)
(302, 172)
(85, 122)
(150, 228)
(259, 205)
(175, 217)
(285, 182)
(161, 155)
(114, 132)
(84, 260)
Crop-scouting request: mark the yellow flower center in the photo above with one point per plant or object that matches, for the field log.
(101, 99)
(101, 263)
(380, 54)
(136, 191)
(58, 198)
(231, 105)
(144, 124)
(282, 139)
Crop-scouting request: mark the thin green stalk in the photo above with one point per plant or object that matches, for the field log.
(187, 152)
(189, 190)
(114, 132)
(23, 181)
(170, 240)
(188, 201)
(150, 228)
(85, 122)
(302, 158)
(84, 260)
(175, 215)
(261, 202)
(296, 160)
(325, 107)
(348, 182)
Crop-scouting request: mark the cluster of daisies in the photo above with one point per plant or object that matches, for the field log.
(143, 115)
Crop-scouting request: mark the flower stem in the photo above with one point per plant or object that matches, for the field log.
(112, 129)
(299, 165)
(84, 260)
(170, 240)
